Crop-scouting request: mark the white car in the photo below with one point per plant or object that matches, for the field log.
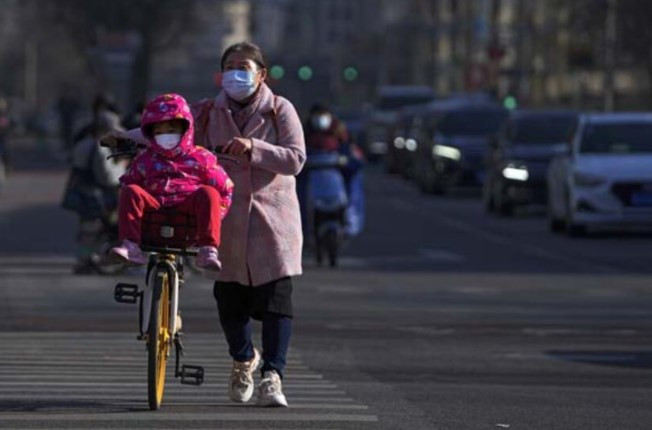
(605, 177)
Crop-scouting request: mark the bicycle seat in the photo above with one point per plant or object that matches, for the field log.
(169, 231)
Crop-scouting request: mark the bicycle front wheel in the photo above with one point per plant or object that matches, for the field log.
(158, 343)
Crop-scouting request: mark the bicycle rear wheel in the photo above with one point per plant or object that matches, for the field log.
(158, 343)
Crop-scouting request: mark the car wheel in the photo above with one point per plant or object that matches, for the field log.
(503, 206)
(487, 197)
(572, 228)
(556, 225)
(576, 230)
(438, 189)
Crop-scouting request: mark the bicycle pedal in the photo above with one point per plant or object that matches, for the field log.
(192, 375)
(126, 293)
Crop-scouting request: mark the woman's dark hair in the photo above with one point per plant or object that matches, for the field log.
(251, 50)
(318, 108)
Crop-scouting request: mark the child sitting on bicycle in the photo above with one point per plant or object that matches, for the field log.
(173, 173)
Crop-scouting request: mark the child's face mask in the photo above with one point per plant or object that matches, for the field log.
(168, 140)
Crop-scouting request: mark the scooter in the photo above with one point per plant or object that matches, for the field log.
(326, 204)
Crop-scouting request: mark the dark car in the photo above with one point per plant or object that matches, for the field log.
(519, 157)
(454, 153)
(407, 137)
(381, 124)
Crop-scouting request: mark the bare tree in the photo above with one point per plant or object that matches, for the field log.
(157, 24)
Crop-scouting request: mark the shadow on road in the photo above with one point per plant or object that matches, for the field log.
(629, 359)
(38, 228)
(62, 405)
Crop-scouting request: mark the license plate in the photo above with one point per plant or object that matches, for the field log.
(642, 198)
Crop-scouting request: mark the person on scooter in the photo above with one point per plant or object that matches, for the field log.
(103, 175)
(324, 132)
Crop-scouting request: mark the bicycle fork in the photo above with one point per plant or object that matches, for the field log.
(130, 293)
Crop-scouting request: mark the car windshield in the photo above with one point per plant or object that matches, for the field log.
(617, 138)
(397, 101)
(471, 122)
(542, 129)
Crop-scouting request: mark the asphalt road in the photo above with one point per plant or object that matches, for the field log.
(440, 317)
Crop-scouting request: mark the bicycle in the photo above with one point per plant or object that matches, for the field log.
(168, 236)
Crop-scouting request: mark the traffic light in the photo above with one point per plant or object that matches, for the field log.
(305, 73)
(509, 102)
(276, 72)
(350, 73)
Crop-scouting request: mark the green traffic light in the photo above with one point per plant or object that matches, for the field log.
(510, 103)
(350, 73)
(305, 73)
(277, 72)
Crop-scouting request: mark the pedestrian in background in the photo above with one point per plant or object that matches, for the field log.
(102, 176)
(68, 107)
(102, 103)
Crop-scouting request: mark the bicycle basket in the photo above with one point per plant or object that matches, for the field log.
(168, 228)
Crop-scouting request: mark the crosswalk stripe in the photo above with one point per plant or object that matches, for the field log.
(138, 397)
(70, 372)
(32, 271)
(137, 388)
(208, 382)
(184, 416)
(36, 259)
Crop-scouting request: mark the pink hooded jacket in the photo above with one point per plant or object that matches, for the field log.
(171, 175)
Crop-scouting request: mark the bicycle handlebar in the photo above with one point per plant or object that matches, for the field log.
(129, 148)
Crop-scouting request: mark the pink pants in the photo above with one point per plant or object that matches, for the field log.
(204, 203)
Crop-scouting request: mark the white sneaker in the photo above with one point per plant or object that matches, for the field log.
(270, 391)
(241, 383)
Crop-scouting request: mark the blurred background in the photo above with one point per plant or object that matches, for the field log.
(580, 54)
(494, 269)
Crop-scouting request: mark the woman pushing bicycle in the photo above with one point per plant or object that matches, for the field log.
(173, 172)
(261, 238)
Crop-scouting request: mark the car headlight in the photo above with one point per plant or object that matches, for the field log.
(411, 145)
(516, 173)
(399, 143)
(446, 152)
(584, 179)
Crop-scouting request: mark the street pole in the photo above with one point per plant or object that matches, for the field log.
(31, 72)
(610, 55)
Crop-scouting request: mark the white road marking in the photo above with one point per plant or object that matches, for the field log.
(87, 370)
(213, 416)
(503, 240)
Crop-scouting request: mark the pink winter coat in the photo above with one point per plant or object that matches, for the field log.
(261, 237)
(171, 175)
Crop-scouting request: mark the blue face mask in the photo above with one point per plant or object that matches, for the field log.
(239, 84)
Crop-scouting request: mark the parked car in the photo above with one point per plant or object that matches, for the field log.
(401, 156)
(455, 149)
(605, 178)
(519, 156)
